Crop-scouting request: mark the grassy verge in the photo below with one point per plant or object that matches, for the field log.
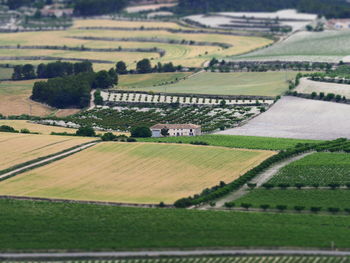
(248, 142)
(28, 226)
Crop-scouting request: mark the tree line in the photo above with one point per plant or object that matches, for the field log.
(333, 8)
(50, 70)
(144, 66)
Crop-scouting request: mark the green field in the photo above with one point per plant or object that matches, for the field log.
(239, 83)
(31, 226)
(148, 80)
(214, 259)
(6, 73)
(248, 142)
(319, 168)
(327, 46)
(307, 198)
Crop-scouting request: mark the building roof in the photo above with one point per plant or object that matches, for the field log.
(174, 126)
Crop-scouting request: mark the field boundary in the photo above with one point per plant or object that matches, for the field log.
(14, 58)
(73, 201)
(21, 168)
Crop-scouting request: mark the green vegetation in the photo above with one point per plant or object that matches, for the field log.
(248, 142)
(149, 80)
(291, 198)
(238, 83)
(219, 259)
(327, 46)
(319, 168)
(6, 73)
(89, 227)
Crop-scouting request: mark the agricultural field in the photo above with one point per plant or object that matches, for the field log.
(15, 99)
(293, 117)
(216, 259)
(107, 172)
(247, 142)
(123, 118)
(327, 46)
(186, 55)
(291, 198)
(238, 83)
(21, 148)
(317, 168)
(149, 80)
(308, 86)
(65, 226)
(6, 73)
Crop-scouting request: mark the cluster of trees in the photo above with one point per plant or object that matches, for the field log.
(333, 8)
(252, 66)
(141, 132)
(144, 66)
(98, 7)
(6, 128)
(74, 90)
(50, 70)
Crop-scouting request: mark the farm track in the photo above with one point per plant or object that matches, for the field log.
(259, 180)
(46, 160)
(174, 253)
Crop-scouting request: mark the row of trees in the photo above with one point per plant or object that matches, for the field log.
(50, 70)
(74, 90)
(333, 8)
(144, 66)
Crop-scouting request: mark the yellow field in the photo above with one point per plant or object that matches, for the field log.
(135, 172)
(186, 55)
(20, 148)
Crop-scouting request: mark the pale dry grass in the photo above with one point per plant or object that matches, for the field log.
(15, 99)
(135, 172)
(20, 148)
(115, 23)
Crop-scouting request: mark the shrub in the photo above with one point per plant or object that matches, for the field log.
(283, 186)
(333, 210)
(161, 204)
(212, 204)
(25, 131)
(281, 207)
(316, 185)
(299, 208)
(299, 185)
(141, 132)
(86, 131)
(334, 186)
(5, 128)
(347, 210)
(348, 185)
(230, 204)
(264, 207)
(108, 137)
(246, 205)
(313, 95)
(131, 140)
(268, 186)
(315, 209)
(251, 185)
(321, 95)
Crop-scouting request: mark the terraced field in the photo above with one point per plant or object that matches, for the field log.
(327, 46)
(187, 55)
(318, 168)
(246, 83)
(107, 172)
(20, 148)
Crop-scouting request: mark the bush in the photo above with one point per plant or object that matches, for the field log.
(108, 137)
(283, 186)
(268, 186)
(299, 208)
(333, 210)
(131, 140)
(230, 204)
(86, 132)
(264, 207)
(281, 207)
(316, 185)
(141, 132)
(315, 209)
(5, 128)
(246, 205)
(347, 210)
(25, 131)
(334, 186)
(251, 185)
(212, 204)
(299, 185)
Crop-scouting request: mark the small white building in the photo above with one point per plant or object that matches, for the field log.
(176, 130)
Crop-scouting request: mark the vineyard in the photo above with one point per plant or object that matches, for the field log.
(213, 259)
(319, 168)
(211, 118)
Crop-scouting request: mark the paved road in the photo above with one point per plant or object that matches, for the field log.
(47, 160)
(236, 252)
(259, 180)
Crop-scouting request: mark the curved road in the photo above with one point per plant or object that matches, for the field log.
(234, 252)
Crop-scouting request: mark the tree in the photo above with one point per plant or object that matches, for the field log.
(281, 207)
(264, 207)
(103, 80)
(141, 132)
(144, 66)
(315, 209)
(86, 131)
(98, 100)
(28, 71)
(113, 74)
(299, 208)
(164, 132)
(108, 137)
(121, 68)
(17, 73)
(246, 205)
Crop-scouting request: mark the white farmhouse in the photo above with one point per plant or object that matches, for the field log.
(176, 130)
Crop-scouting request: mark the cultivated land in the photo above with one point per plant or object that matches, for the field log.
(149, 80)
(239, 83)
(15, 99)
(6, 73)
(318, 168)
(248, 142)
(309, 86)
(293, 117)
(20, 148)
(328, 46)
(291, 198)
(187, 55)
(88, 227)
(135, 173)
